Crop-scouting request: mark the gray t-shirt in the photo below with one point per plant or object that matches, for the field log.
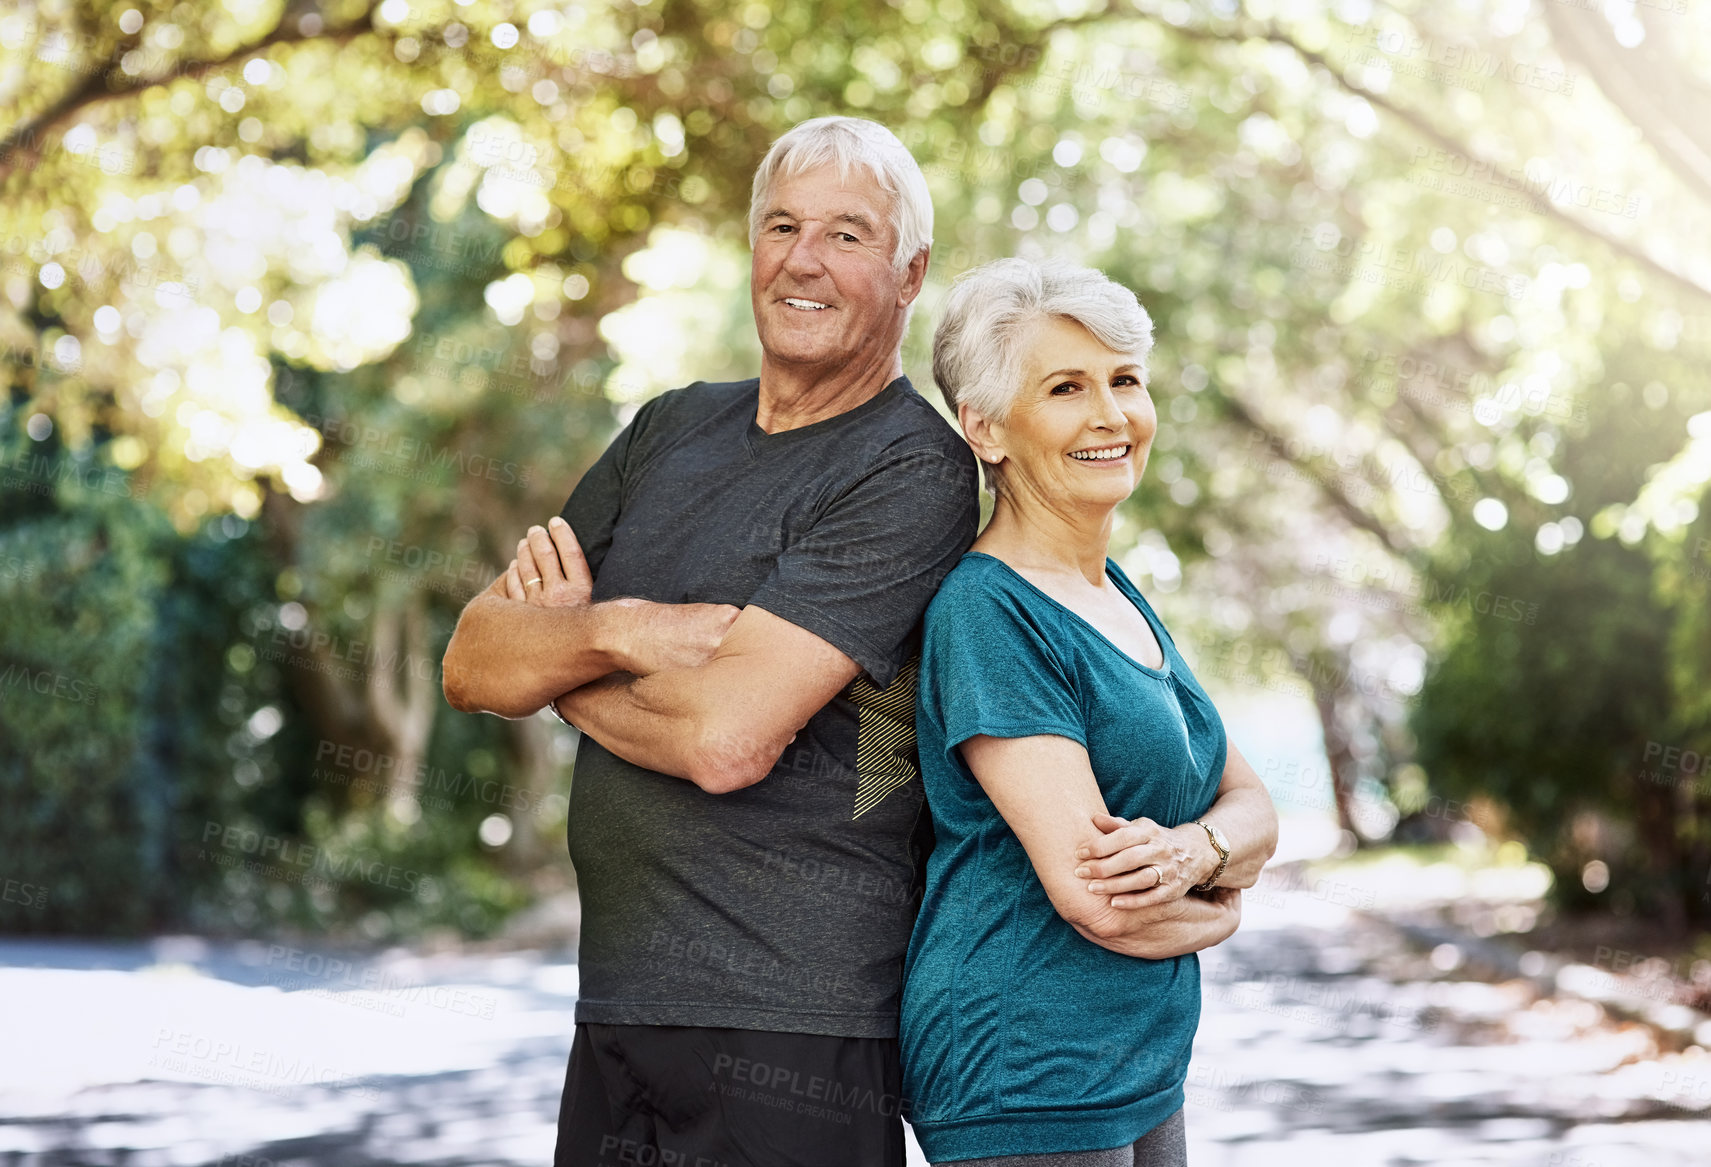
(787, 905)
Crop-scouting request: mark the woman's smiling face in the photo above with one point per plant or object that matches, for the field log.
(1081, 423)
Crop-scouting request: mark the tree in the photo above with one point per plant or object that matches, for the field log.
(307, 270)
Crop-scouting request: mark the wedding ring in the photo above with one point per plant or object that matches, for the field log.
(536, 580)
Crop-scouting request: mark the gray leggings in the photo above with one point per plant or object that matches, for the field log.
(1166, 1145)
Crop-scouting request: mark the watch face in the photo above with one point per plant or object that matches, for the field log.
(1223, 843)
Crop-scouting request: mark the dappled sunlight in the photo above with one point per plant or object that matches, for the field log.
(680, 328)
(361, 314)
(254, 234)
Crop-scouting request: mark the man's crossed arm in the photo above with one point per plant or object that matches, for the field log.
(533, 635)
(704, 692)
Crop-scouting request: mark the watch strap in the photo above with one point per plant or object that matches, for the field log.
(1223, 857)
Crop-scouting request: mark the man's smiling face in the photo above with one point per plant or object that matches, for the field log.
(824, 291)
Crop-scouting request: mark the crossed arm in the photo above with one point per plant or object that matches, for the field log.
(704, 692)
(1125, 885)
(712, 694)
(723, 724)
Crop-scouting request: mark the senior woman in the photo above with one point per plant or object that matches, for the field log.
(1093, 826)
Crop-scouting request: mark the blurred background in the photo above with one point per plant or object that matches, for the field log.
(308, 310)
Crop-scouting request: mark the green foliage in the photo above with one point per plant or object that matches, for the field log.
(1565, 677)
(150, 749)
(114, 627)
(1551, 718)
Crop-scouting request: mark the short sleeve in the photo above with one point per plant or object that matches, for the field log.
(988, 666)
(598, 499)
(862, 575)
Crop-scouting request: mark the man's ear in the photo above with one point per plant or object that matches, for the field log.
(913, 277)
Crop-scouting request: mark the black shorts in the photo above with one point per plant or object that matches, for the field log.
(689, 1096)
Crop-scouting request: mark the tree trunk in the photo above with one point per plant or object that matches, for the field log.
(404, 712)
(1345, 768)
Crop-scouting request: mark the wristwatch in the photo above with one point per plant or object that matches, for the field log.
(1219, 844)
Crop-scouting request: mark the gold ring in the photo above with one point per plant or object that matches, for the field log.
(536, 580)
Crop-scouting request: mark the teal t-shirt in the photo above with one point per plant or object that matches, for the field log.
(1020, 1036)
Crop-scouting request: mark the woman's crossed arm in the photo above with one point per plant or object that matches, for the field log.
(1044, 787)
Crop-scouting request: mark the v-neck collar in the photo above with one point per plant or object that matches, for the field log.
(1162, 672)
(759, 441)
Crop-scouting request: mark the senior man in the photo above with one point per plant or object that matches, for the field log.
(729, 609)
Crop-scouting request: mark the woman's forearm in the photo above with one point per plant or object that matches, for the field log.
(1181, 926)
(1249, 823)
(1244, 813)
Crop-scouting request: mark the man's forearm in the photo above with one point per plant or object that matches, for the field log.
(670, 722)
(511, 657)
(640, 723)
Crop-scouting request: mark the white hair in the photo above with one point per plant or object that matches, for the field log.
(846, 142)
(991, 310)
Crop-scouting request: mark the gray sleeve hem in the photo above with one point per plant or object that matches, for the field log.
(839, 636)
